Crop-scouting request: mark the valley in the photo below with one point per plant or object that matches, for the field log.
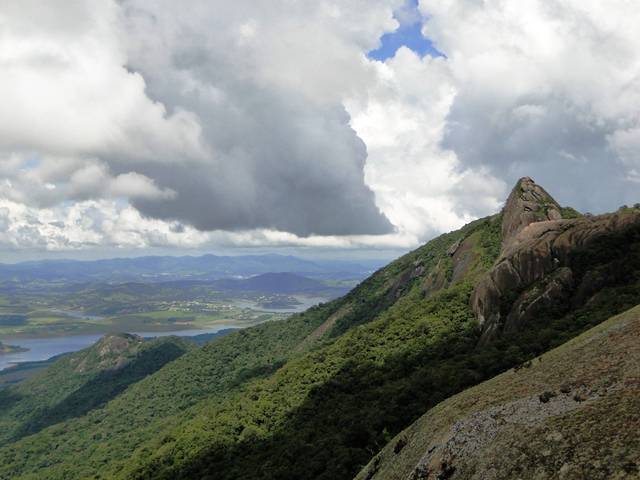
(41, 319)
(42, 309)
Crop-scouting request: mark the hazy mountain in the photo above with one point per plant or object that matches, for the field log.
(273, 283)
(167, 268)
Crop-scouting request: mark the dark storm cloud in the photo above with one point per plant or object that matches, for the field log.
(563, 148)
(277, 156)
(277, 170)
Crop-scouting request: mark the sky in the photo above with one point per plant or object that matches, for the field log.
(132, 127)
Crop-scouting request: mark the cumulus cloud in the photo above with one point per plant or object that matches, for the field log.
(222, 116)
(201, 123)
(211, 114)
(262, 79)
(419, 185)
(65, 89)
(545, 88)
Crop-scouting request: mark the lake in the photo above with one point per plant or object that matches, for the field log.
(305, 304)
(45, 348)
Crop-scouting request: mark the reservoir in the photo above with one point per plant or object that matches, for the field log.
(45, 348)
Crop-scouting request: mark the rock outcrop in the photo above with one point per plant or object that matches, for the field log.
(527, 203)
(548, 264)
(111, 352)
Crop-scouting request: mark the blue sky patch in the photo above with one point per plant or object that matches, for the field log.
(408, 35)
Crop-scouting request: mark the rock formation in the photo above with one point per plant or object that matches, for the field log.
(527, 203)
(111, 352)
(548, 263)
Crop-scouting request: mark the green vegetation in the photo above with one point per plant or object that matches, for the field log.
(568, 212)
(337, 405)
(317, 395)
(23, 371)
(232, 380)
(9, 348)
(143, 411)
(571, 413)
(82, 381)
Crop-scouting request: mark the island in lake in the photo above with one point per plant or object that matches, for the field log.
(11, 349)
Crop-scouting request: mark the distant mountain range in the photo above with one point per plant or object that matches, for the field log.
(205, 267)
(284, 282)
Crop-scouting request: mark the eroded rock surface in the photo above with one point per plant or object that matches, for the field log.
(548, 263)
(527, 203)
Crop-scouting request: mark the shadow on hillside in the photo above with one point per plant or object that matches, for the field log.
(8, 399)
(345, 421)
(105, 386)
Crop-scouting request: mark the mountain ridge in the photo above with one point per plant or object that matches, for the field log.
(317, 395)
(169, 267)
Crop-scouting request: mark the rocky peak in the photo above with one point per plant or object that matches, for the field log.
(548, 263)
(111, 352)
(118, 343)
(527, 203)
(552, 266)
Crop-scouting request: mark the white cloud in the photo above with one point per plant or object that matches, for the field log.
(420, 186)
(230, 112)
(544, 88)
(134, 185)
(135, 123)
(65, 89)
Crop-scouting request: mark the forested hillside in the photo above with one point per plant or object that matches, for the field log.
(319, 394)
(83, 381)
(571, 413)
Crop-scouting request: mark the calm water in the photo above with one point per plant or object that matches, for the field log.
(305, 303)
(45, 348)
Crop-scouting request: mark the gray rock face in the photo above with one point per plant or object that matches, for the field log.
(536, 268)
(527, 203)
(462, 258)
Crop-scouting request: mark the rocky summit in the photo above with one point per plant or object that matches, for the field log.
(528, 203)
(550, 263)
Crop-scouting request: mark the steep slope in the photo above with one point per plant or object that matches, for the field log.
(554, 266)
(82, 381)
(225, 372)
(317, 395)
(571, 413)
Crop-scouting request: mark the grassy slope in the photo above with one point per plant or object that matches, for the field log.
(504, 430)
